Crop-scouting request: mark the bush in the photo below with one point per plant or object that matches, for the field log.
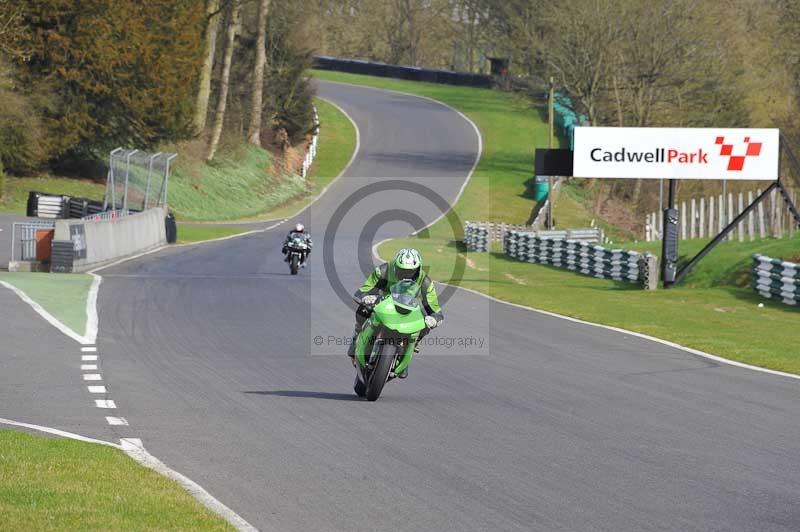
(21, 147)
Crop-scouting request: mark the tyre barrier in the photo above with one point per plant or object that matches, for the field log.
(478, 236)
(447, 77)
(776, 279)
(582, 257)
(42, 205)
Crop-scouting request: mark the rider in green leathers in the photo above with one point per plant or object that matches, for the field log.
(407, 264)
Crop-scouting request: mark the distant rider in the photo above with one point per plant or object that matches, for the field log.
(407, 264)
(300, 232)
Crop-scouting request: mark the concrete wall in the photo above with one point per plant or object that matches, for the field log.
(101, 242)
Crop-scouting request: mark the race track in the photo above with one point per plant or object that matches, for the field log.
(546, 425)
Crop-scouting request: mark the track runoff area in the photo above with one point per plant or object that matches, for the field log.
(726, 154)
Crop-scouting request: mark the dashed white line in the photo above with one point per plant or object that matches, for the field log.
(117, 421)
(89, 349)
(105, 403)
(88, 367)
(92, 377)
(97, 389)
(89, 358)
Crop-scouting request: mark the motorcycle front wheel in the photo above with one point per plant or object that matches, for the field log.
(378, 376)
(293, 263)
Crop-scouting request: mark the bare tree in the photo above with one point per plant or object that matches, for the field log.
(224, 82)
(254, 131)
(204, 91)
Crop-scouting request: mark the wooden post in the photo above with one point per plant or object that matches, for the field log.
(740, 228)
(729, 212)
(711, 225)
(762, 230)
(702, 218)
(751, 219)
(693, 220)
(721, 211)
(683, 220)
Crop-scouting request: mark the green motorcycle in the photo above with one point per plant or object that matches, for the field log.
(385, 345)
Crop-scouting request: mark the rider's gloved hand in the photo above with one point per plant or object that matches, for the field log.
(431, 322)
(369, 300)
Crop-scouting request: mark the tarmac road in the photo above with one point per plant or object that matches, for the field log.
(546, 425)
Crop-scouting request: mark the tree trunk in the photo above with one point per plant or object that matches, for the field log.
(201, 108)
(254, 132)
(224, 82)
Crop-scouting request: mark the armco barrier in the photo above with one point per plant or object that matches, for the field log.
(583, 257)
(368, 68)
(776, 279)
(94, 243)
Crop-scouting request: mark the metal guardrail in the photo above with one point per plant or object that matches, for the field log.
(776, 279)
(582, 257)
(106, 215)
(23, 237)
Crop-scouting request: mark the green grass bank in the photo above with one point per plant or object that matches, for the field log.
(57, 484)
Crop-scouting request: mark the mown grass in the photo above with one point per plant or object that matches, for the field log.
(62, 295)
(56, 484)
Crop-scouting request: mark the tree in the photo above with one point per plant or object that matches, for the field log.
(204, 90)
(222, 99)
(254, 131)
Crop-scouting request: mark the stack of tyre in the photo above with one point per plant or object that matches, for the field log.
(776, 279)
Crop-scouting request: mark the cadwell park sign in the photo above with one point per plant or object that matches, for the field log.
(676, 153)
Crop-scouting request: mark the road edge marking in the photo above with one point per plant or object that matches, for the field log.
(57, 432)
(135, 450)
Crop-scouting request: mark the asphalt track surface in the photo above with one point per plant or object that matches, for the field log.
(549, 425)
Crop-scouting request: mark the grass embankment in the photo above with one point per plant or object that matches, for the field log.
(714, 310)
(62, 295)
(56, 484)
(15, 197)
(236, 186)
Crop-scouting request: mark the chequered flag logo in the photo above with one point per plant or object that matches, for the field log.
(736, 162)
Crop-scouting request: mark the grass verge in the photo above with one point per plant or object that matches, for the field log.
(62, 295)
(57, 484)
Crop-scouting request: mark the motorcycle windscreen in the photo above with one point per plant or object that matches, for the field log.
(405, 295)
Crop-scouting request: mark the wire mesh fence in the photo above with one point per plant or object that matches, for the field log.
(137, 180)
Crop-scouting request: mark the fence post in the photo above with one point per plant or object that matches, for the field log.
(702, 219)
(693, 219)
(740, 228)
(729, 213)
(683, 220)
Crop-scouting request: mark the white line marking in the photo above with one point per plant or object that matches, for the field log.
(89, 349)
(49, 318)
(117, 421)
(97, 389)
(89, 358)
(134, 448)
(91, 309)
(92, 377)
(57, 432)
(104, 403)
(88, 367)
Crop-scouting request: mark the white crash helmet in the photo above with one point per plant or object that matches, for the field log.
(407, 263)
(300, 228)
